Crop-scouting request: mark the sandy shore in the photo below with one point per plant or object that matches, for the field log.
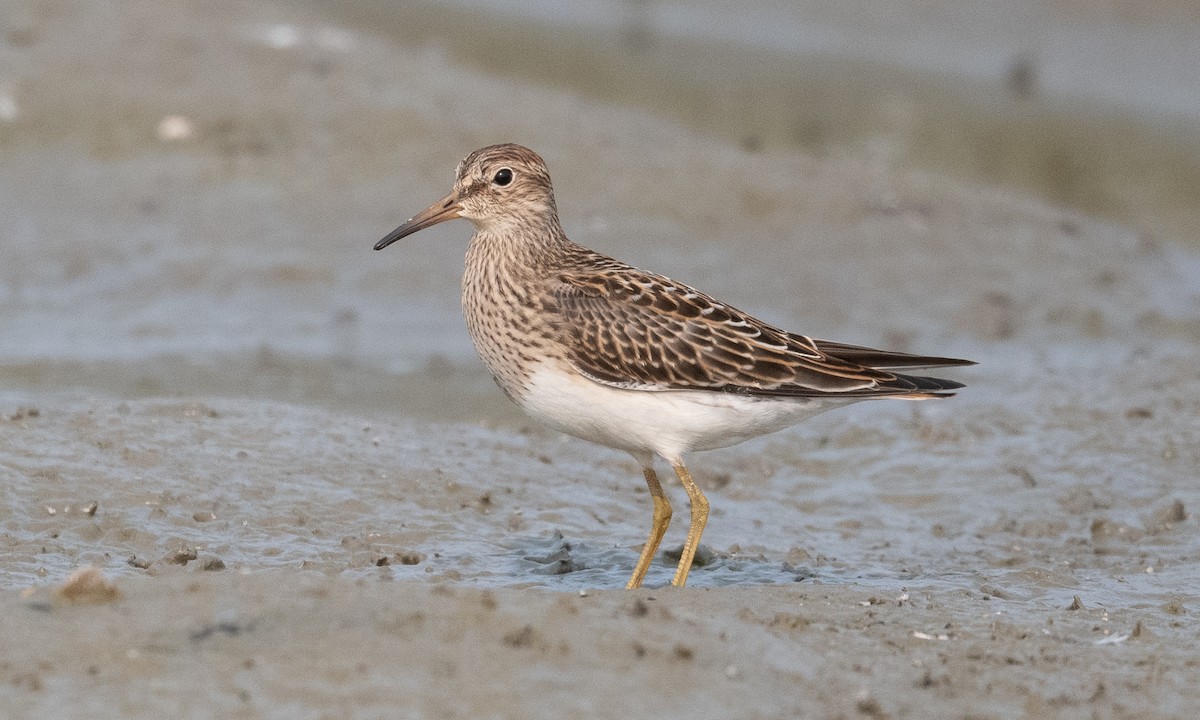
(288, 644)
(278, 561)
(304, 499)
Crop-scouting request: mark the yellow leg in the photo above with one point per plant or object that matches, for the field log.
(662, 518)
(699, 520)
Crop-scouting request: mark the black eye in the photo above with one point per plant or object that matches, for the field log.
(503, 177)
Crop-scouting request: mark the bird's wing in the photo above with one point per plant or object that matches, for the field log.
(631, 329)
(879, 359)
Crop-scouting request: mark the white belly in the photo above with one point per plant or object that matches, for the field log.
(666, 423)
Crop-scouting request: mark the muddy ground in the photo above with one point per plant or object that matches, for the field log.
(302, 497)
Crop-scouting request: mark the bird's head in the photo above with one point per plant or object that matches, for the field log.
(496, 186)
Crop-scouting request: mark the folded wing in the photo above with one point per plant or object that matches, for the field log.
(630, 329)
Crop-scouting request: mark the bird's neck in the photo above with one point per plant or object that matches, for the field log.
(529, 246)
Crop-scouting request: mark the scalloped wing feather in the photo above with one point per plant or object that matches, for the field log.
(631, 329)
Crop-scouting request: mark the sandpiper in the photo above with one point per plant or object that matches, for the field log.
(636, 361)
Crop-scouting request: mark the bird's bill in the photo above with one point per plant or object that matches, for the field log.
(445, 209)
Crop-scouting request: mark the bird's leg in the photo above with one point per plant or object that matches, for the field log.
(699, 519)
(662, 518)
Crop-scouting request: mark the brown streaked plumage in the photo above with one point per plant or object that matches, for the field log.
(633, 360)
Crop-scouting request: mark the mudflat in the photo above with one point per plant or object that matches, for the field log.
(248, 467)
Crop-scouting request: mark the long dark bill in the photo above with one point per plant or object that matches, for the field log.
(445, 209)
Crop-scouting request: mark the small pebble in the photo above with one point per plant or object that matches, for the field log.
(181, 556)
(87, 586)
(175, 127)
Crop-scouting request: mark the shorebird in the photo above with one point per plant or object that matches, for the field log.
(629, 359)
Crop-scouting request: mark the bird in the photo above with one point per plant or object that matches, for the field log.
(633, 360)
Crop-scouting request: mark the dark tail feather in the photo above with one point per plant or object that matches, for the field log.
(887, 359)
(920, 384)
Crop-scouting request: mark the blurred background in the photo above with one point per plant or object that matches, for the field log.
(1088, 104)
(201, 353)
(189, 190)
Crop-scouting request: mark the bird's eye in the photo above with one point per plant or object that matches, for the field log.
(503, 177)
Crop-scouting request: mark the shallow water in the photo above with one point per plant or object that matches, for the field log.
(874, 495)
(1018, 94)
(155, 288)
(206, 373)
